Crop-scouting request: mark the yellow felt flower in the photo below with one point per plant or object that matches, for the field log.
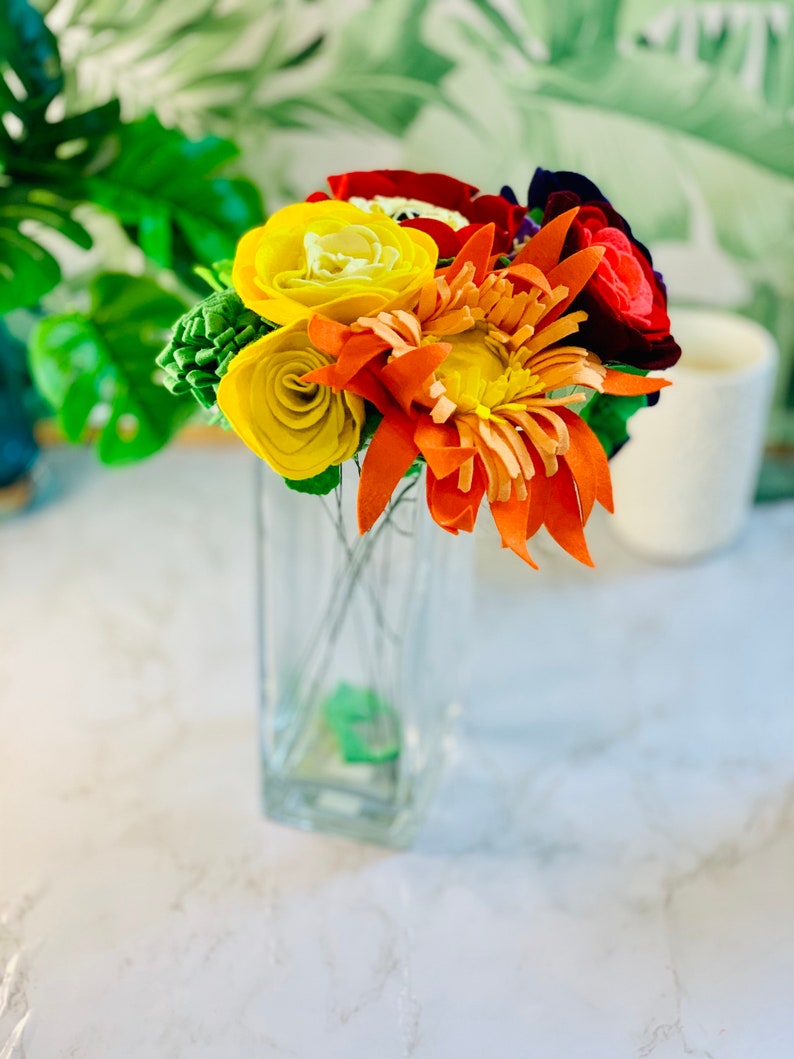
(333, 259)
(299, 428)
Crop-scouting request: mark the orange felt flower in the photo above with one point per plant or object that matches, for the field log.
(477, 377)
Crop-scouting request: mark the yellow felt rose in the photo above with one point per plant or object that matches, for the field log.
(299, 428)
(333, 259)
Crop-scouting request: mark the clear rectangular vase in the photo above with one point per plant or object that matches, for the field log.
(362, 656)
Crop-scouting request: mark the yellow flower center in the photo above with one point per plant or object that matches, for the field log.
(355, 252)
(482, 376)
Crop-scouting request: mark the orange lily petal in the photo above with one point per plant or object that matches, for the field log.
(624, 384)
(529, 274)
(357, 352)
(325, 375)
(573, 273)
(564, 517)
(328, 335)
(367, 385)
(545, 246)
(391, 452)
(539, 496)
(510, 517)
(440, 445)
(476, 249)
(451, 508)
(588, 464)
(405, 376)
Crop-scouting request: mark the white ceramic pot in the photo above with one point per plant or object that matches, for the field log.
(685, 481)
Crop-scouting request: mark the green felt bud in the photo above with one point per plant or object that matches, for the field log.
(204, 342)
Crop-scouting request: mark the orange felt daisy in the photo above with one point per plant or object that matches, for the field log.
(480, 377)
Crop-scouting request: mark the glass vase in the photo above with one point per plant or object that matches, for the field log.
(362, 656)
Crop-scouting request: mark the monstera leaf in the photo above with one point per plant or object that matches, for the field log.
(30, 50)
(40, 159)
(165, 188)
(96, 368)
(166, 191)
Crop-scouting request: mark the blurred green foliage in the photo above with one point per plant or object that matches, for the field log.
(95, 364)
(111, 119)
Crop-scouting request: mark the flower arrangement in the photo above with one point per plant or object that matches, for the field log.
(407, 318)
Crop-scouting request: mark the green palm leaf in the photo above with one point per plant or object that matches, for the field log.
(659, 90)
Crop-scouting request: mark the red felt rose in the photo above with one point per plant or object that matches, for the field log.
(625, 279)
(437, 190)
(626, 301)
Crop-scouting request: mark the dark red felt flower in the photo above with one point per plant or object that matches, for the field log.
(626, 300)
(439, 191)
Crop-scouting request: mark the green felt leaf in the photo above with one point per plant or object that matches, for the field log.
(319, 485)
(79, 401)
(83, 363)
(608, 416)
(218, 275)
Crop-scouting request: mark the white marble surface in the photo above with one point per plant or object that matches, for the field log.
(606, 873)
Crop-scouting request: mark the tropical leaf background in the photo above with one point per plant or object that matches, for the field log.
(683, 113)
(682, 110)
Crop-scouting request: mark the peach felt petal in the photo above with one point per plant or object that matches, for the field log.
(624, 384)
(529, 275)
(510, 517)
(440, 445)
(391, 452)
(545, 247)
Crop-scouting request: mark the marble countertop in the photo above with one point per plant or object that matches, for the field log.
(607, 871)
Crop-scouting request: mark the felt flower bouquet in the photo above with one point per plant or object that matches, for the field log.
(405, 318)
(405, 323)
